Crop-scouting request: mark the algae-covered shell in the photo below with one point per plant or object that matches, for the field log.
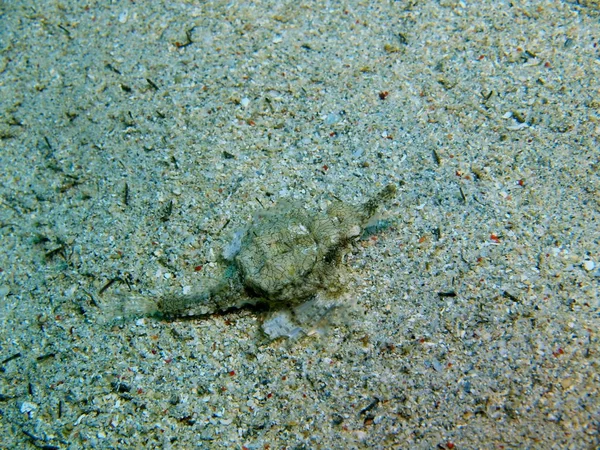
(285, 256)
(288, 253)
(283, 252)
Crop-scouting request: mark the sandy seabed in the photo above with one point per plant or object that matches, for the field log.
(137, 137)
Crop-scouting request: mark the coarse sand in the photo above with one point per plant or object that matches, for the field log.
(137, 138)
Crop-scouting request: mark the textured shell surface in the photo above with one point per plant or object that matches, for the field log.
(283, 252)
(286, 256)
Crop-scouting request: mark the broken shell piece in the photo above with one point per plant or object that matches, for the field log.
(281, 324)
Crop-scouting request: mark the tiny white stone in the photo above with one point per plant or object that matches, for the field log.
(518, 126)
(245, 102)
(27, 407)
(589, 265)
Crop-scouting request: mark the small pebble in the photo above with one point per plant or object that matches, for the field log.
(123, 16)
(27, 407)
(332, 118)
(589, 265)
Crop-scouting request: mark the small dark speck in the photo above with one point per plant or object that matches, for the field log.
(450, 294)
(120, 387)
